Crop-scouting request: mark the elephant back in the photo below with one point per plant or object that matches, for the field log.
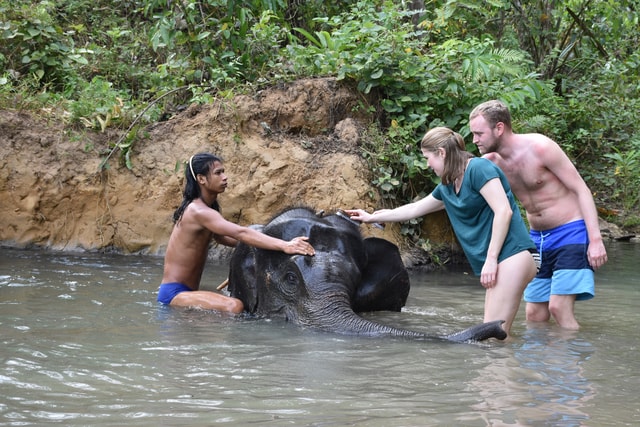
(332, 233)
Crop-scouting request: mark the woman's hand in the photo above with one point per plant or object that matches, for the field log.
(358, 215)
(489, 274)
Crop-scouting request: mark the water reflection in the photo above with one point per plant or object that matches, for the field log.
(537, 381)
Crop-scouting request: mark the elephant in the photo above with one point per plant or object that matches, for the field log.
(348, 274)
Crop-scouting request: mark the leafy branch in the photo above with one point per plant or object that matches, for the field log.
(125, 142)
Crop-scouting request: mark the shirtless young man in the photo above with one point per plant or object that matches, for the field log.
(197, 222)
(560, 209)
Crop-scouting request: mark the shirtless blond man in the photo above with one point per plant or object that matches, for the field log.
(197, 222)
(560, 209)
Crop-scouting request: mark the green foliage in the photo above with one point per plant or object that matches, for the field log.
(420, 83)
(97, 105)
(627, 172)
(589, 50)
(390, 165)
(34, 45)
(569, 68)
(223, 42)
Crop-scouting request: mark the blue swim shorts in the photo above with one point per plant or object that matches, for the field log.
(564, 268)
(168, 291)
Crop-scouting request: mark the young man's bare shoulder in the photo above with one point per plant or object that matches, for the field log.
(534, 138)
(493, 156)
(535, 143)
(199, 208)
(197, 214)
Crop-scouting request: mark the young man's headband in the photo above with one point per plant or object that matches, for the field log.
(191, 168)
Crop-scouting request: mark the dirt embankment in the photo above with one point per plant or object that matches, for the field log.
(290, 145)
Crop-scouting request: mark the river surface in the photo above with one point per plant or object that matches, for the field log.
(84, 343)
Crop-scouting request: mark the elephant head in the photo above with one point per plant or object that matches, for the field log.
(348, 274)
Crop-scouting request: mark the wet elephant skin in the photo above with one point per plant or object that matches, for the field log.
(348, 274)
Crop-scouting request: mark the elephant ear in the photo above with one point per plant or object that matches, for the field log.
(243, 275)
(385, 280)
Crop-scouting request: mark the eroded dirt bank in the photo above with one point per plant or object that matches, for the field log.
(290, 145)
(285, 146)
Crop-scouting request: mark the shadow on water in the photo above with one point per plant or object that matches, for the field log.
(83, 342)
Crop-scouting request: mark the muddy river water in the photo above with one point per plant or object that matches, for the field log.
(84, 343)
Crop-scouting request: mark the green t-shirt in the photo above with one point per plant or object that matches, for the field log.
(472, 218)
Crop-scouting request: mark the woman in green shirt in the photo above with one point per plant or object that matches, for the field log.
(484, 215)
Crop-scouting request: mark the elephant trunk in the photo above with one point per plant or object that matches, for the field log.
(340, 318)
(480, 332)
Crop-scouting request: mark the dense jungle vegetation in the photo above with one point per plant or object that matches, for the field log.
(568, 68)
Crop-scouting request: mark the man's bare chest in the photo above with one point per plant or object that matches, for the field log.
(525, 176)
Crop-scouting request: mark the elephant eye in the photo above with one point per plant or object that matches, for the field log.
(291, 278)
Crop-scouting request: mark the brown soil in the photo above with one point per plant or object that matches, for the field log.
(290, 145)
(296, 144)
